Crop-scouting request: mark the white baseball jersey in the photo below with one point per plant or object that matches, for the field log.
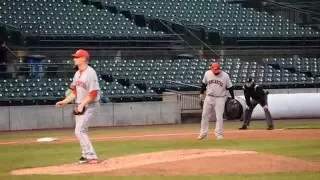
(216, 85)
(86, 81)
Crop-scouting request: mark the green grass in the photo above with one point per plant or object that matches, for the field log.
(283, 124)
(96, 131)
(33, 155)
(14, 157)
(302, 127)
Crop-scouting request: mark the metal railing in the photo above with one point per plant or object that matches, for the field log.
(190, 101)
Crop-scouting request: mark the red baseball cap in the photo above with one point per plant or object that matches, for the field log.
(215, 67)
(81, 53)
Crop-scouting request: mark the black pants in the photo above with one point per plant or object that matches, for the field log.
(254, 103)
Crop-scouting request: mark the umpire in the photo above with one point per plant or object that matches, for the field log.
(259, 96)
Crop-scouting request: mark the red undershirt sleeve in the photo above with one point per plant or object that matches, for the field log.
(74, 90)
(93, 94)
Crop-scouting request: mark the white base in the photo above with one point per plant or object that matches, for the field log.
(47, 139)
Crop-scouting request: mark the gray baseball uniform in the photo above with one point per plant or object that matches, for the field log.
(85, 82)
(216, 96)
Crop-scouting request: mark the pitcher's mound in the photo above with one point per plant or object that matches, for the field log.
(186, 162)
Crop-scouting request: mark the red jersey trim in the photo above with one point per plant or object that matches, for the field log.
(93, 94)
(74, 90)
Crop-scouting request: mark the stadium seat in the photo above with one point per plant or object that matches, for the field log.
(229, 19)
(72, 18)
(154, 73)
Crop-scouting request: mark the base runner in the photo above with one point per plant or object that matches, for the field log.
(86, 95)
(216, 83)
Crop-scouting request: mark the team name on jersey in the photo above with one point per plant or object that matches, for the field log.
(215, 81)
(81, 84)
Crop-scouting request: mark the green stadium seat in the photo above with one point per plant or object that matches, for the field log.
(154, 73)
(220, 12)
(66, 18)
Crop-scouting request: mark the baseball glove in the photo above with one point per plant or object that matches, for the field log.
(76, 112)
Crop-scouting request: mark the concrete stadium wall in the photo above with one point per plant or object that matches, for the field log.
(117, 114)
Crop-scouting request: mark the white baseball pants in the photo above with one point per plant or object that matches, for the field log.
(81, 130)
(211, 106)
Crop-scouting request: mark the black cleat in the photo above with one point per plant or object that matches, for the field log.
(270, 128)
(82, 160)
(244, 127)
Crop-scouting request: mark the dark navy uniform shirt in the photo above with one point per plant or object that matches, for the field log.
(255, 92)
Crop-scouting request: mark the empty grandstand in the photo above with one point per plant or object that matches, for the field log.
(184, 36)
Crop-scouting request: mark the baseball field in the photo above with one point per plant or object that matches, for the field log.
(291, 151)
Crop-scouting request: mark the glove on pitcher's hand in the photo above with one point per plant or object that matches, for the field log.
(76, 111)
